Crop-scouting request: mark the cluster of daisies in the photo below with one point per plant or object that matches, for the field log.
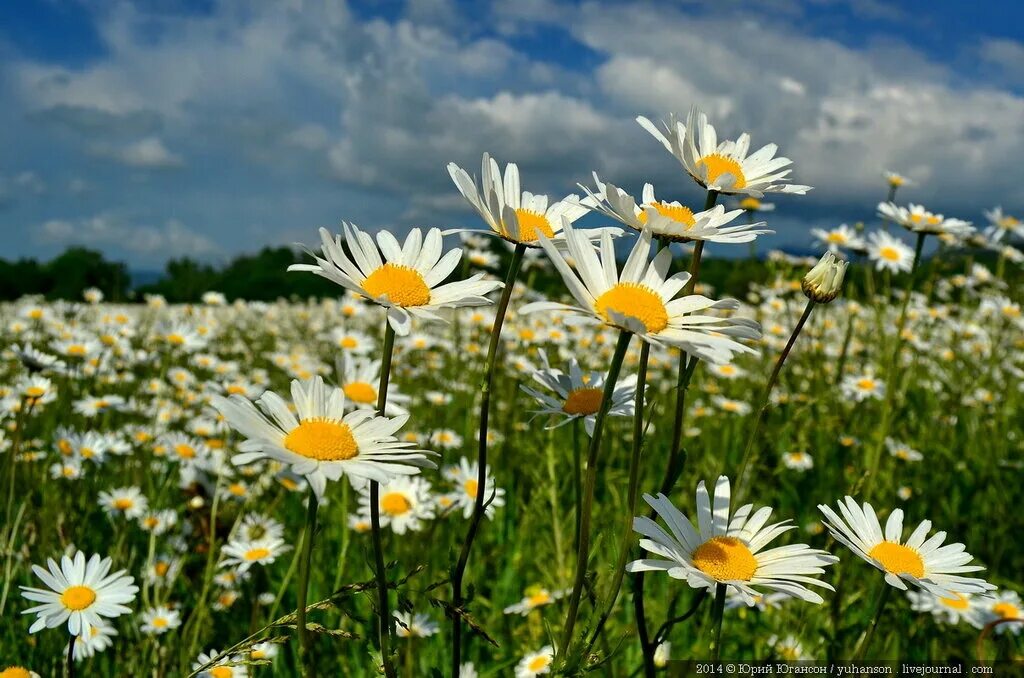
(190, 425)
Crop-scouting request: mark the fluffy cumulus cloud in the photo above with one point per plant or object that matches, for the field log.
(255, 123)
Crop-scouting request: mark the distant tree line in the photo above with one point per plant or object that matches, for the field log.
(264, 276)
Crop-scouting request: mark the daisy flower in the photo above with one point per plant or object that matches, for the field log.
(536, 663)
(838, 238)
(95, 640)
(1006, 605)
(128, 502)
(415, 626)
(642, 299)
(359, 378)
(517, 216)
(18, 672)
(159, 620)
(860, 387)
(404, 504)
(895, 180)
(218, 666)
(917, 561)
(80, 593)
(465, 477)
(919, 220)
(407, 281)
(798, 461)
(323, 442)
(1001, 225)
(728, 550)
(578, 394)
(731, 406)
(725, 167)
(243, 553)
(889, 253)
(901, 450)
(536, 597)
(952, 610)
(670, 220)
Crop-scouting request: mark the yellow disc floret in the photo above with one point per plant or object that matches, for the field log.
(716, 165)
(323, 440)
(77, 598)
(401, 285)
(725, 559)
(636, 301)
(898, 559)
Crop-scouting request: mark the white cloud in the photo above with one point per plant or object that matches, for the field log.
(149, 153)
(141, 242)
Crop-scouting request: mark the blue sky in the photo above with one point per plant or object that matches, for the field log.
(207, 128)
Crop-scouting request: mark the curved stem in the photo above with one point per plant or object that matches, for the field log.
(749, 453)
(588, 490)
(634, 483)
(305, 642)
(386, 624)
(869, 632)
(478, 503)
(715, 647)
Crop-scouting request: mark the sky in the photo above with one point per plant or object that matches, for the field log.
(209, 128)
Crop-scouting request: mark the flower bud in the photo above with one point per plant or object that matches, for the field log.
(823, 282)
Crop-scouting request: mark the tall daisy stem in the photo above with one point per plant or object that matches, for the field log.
(590, 482)
(869, 632)
(749, 453)
(634, 484)
(305, 641)
(485, 410)
(386, 626)
(70, 663)
(715, 646)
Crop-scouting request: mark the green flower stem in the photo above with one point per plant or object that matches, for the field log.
(70, 663)
(715, 646)
(869, 632)
(386, 624)
(750, 452)
(305, 642)
(485, 409)
(590, 482)
(634, 484)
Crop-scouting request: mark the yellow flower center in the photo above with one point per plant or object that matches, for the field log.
(716, 165)
(123, 504)
(360, 392)
(538, 663)
(958, 603)
(749, 203)
(541, 598)
(633, 300)
(395, 504)
(402, 285)
(898, 559)
(725, 559)
(237, 489)
(323, 440)
(1006, 610)
(836, 237)
(77, 598)
(175, 339)
(531, 224)
(679, 213)
(160, 622)
(866, 384)
(257, 554)
(161, 568)
(583, 401)
(15, 672)
(76, 349)
(220, 672)
(348, 342)
(470, 486)
(889, 253)
(1009, 222)
(896, 181)
(235, 389)
(185, 451)
(35, 391)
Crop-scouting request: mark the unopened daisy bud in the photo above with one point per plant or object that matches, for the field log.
(823, 282)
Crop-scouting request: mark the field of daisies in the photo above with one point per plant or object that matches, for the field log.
(443, 471)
